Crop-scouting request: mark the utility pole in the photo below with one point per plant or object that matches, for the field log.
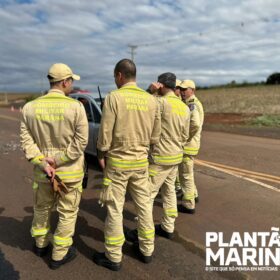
(132, 50)
(6, 98)
(41, 84)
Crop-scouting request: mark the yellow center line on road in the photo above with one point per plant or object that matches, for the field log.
(248, 172)
(234, 173)
(9, 118)
(256, 177)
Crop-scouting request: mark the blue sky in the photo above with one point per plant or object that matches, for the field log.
(211, 42)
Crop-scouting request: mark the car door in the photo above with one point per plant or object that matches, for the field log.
(95, 128)
(92, 136)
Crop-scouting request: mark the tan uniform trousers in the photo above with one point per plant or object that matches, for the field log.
(177, 182)
(115, 183)
(186, 175)
(163, 177)
(67, 207)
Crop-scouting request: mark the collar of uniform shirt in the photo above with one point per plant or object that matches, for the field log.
(190, 98)
(56, 91)
(170, 93)
(129, 84)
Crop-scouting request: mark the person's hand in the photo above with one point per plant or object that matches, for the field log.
(102, 163)
(50, 171)
(154, 87)
(50, 161)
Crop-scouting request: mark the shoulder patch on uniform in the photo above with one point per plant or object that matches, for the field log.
(191, 106)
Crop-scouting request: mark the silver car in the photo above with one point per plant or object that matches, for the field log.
(92, 104)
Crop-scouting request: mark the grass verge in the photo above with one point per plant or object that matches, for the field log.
(266, 120)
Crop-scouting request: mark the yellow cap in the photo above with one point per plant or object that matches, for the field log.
(60, 71)
(178, 82)
(187, 84)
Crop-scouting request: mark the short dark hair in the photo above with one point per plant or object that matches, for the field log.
(57, 82)
(168, 80)
(127, 68)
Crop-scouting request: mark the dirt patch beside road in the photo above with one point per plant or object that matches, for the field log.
(238, 124)
(229, 118)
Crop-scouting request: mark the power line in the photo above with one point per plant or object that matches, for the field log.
(241, 25)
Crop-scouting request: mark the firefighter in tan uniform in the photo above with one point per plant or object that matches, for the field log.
(166, 155)
(130, 124)
(154, 88)
(54, 134)
(191, 149)
(177, 90)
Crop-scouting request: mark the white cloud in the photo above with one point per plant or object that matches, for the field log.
(210, 42)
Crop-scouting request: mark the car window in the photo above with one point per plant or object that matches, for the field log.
(98, 101)
(96, 114)
(87, 106)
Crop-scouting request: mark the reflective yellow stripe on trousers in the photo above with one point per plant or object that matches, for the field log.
(62, 241)
(168, 159)
(119, 240)
(106, 181)
(147, 234)
(188, 196)
(187, 158)
(126, 164)
(152, 172)
(191, 151)
(171, 212)
(39, 231)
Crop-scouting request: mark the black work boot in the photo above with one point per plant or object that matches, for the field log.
(101, 259)
(71, 254)
(139, 254)
(179, 193)
(131, 235)
(183, 209)
(40, 252)
(163, 233)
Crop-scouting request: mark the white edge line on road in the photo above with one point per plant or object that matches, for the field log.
(240, 176)
(9, 118)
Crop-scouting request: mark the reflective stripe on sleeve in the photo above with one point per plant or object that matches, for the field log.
(62, 174)
(37, 160)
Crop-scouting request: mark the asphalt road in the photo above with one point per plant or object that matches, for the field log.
(228, 203)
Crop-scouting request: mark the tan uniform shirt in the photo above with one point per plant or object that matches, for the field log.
(196, 123)
(55, 125)
(174, 130)
(130, 123)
